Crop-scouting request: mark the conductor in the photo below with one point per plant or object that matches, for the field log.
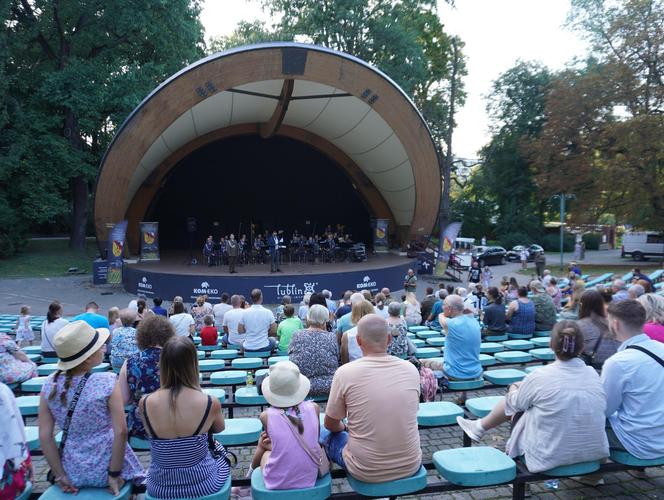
(273, 244)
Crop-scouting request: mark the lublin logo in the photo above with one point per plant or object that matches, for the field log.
(293, 290)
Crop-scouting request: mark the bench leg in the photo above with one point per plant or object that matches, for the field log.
(518, 490)
(467, 442)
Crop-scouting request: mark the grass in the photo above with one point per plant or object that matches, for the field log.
(48, 258)
(599, 269)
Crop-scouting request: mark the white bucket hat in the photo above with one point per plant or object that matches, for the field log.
(285, 386)
(76, 342)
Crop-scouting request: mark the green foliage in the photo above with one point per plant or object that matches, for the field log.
(551, 242)
(511, 240)
(592, 241)
(247, 33)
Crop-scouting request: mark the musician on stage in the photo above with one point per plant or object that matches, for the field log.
(273, 243)
(410, 281)
(232, 250)
(243, 246)
(208, 250)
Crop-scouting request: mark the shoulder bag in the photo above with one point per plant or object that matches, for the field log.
(646, 351)
(50, 477)
(321, 461)
(589, 357)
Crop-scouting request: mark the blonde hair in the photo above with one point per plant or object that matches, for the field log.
(113, 315)
(25, 310)
(654, 306)
(359, 310)
(577, 290)
(411, 299)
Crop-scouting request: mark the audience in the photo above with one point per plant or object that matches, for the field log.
(139, 375)
(344, 305)
(554, 292)
(557, 411)
(345, 322)
(220, 309)
(372, 447)
(521, 314)
(635, 291)
(51, 325)
(411, 310)
(289, 325)
(350, 349)
(96, 452)
(114, 319)
(436, 309)
(198, 312)
(92, 317)
(571, 309)
(157, 309)
(400, 345)
(15, 366)
(258, 325)
(654, 306)
(15, 461)
(380, 308)
(279, 310)
(331, 305)
(304, 307)
(178, 416)
(599, 342)
(209, 332)
(231, 323)
(315, 351)
(545, 310)
(619, 290)
(288, 451)
(123, 340)
(182, 321)
(494, 314)
(427, 304)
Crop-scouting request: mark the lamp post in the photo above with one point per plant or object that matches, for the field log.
(562, 197)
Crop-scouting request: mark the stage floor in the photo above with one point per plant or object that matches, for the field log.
(176, 263)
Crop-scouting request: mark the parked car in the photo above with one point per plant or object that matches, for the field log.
(641, 245)
(492, 256)
(515, 253)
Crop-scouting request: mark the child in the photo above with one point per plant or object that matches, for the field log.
(23, 328)
(290, 424)
(209, 333)
(487, 275)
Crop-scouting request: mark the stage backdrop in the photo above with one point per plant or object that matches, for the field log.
(274, 287)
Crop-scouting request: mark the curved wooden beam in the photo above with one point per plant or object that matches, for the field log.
(269, 128)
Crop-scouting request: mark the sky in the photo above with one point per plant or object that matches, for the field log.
(497, 34)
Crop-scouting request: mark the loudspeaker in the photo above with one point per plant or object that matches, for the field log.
(191, 224)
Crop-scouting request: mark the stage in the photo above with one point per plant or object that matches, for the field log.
(172, 276)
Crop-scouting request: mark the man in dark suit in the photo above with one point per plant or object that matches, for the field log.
(208, 250)
(232, 250)
(273, 244)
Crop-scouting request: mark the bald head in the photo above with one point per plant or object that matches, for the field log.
(373, 334)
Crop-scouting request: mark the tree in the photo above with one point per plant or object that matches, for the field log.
(247, 33)
(76, 69)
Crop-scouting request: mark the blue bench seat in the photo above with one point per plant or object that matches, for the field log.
(531, 369)
(47, 369)
(220, 394)
(249, 396)
(247, 363)
(258, 354)
(240, 431)
(208, 347)
(223, 494)
(394, 488)
(427, 334)
(138, 444)
(573, 469)
(475, 466)
(55, 493)
(438, 413)
(513, 357)
(466, 385)
(626, 458)
(35, 384)
(487, 360)
(417, 328)
(481, 407)
(199, 354)
(518, 345)
(496, 338)
(541, 341)
(418, 342)
(436, 341)
(31, 349)
(519, 336)
(543, 353)
(427, 352)
(211, 365)
(504, 376)
(491, 347)
(231, 377)
(32, 437)
(275, 359)
(28, 405)
(224, 354)
(543, 333)
(321, 490)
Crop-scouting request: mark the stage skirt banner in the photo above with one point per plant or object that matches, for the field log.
(447, 238)
(380, 235)
(116, 239)
(149, 241)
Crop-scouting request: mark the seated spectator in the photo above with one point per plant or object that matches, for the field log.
(350, 349)
(92, 317)
(633, 380)
(437, 309)
(315, 351)
(367, 295)
(647, 285)
(599, 342)
(304, 307)
(654, 306)
(521, 314)
(142, 311)
(182, 322)
(140, 373)
(479, 298)
(331, 305)
(157, 309)
(635, 291)
(96, 452)
(220, 309)
(637, 275)
(344, 305)
(15, 366)
(15, 464)
(400, 345)
(619, 290)
(554, 292)
(231, 323)
(512, 290)
(209, 332)
(123, 340)
(388, 295)
(427, 304)
(289, 325)
(178, 417)
(545, 310)
(494, 314)
(198, 312)
(469, 301)
(51, 325)
(113, 319)
(571, 309)
(345, 322)
(380, 308)
(171, 308)
(371, 447)
(557, 411)
(258, 325)
(279, 310)
(412, 313)
(291, 425)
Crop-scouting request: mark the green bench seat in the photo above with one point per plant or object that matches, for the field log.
(319, 491)
(224, 354)
(427, 334)
(543, 333)
(240, 431)
(391, 489)
(436, 341)
(481, 407)
(508, 357)
(28, 405)
(466, 385)
(518, 345)
(475, 466)
(496, 338)
(275, 359)
(211, 365)
(231, 377)
(487, 360)
(55, 493)
(438, 413)
(427, 352)
(247, 363)
(519, 336)
(249, 396)
(220, 394)
(543, 353)
(35, 384)
(504, 376)
(418, 328)
(138, 444)
(541, 341)
(491, 347)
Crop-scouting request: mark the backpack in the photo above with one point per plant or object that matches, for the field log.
(428, 385)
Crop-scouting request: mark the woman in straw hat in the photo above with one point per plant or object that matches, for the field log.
(290, 424)
(95, 453)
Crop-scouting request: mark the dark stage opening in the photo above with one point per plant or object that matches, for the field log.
(273, 183)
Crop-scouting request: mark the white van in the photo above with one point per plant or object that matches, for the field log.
(644, 244)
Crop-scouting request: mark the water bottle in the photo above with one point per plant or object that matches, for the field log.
(250, 379)
(552, 484)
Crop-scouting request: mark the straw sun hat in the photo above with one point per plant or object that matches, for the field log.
(76, 342)
(285, 386)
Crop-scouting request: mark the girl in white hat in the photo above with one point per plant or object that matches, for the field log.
(290, 425)
(95, 451)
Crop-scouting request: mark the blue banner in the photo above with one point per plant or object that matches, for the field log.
(380, 243)
(447, 238)
(149, 241)
(116, 240)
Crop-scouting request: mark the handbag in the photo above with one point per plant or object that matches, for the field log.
(646, 351)
(321, 461)
(50, 477)
(589, 358)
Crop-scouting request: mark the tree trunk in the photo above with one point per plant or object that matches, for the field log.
(79, 219)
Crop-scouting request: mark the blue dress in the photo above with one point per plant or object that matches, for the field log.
(142, 379)
(523, 320)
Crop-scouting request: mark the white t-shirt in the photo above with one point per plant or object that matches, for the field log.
(381, 312)
(219, 310)
(181, 322)
(48, 332)
(354, 351)
(232, 319)
(302, 312)
(133, 304)
(257, 321)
